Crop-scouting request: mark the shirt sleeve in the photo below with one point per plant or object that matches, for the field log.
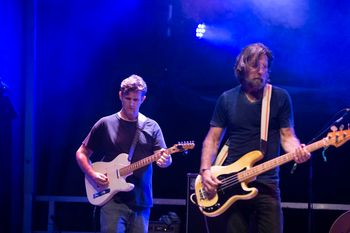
(286, 117)
(159, 141)
(219, 115)
(92, 140)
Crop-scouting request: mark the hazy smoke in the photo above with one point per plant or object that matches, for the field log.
(290, 13)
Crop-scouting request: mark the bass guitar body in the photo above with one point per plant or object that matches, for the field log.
(235, 177)
(231, 190)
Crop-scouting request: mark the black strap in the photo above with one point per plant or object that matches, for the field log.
(263, 146)
(139, 128)
(133, 145)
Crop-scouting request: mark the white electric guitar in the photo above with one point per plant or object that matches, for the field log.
(117, 170)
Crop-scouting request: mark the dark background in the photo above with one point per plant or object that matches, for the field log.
(69, 58)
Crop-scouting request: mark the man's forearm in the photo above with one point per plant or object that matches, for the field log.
(289, 144)
(209, 152)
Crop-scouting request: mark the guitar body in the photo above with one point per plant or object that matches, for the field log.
(118, 170)
(227, 194)
(99, 195)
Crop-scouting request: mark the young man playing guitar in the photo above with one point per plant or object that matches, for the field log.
(238, 111)
(128, 132)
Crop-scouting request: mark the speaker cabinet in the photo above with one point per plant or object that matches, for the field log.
(195, 220)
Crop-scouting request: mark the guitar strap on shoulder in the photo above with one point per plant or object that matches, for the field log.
(141, 121)
(265, 115)
(220, 159)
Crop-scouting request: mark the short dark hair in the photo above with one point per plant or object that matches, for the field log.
(133, 83)
(249, 54)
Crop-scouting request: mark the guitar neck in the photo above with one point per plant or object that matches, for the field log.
(144, 162)
(280, 160)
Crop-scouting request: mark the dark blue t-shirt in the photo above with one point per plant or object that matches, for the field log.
(111, 136)
(241, 119)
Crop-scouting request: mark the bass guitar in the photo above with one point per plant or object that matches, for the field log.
(236, 176)
(117, 170)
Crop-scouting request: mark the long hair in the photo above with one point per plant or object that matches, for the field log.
(248, 56)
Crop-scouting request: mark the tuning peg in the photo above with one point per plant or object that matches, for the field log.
(334, 128)
(341, 127)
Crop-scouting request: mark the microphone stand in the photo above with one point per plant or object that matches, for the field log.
(310, 198)
(310, 177)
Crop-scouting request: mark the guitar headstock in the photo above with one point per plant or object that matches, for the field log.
(183, 146)
(338, 138)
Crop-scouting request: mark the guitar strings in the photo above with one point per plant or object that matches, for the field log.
(233, 179)
(228, 181)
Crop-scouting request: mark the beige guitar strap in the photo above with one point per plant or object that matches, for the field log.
(222, 154)
(265, 115)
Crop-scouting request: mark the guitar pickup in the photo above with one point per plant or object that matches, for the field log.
(202, 194)
(101, 193)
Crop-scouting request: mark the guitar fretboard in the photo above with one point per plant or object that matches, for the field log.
(144, 162)
(266, 166)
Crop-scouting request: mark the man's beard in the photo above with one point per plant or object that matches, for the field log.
(255, 84)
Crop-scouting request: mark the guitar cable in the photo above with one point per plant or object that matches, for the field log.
(192, 196)
(94, 215)
(94, 219)
(206, 224)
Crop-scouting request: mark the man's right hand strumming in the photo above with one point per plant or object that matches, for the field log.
(210, 182)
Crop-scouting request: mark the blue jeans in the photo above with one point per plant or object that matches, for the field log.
(119, 218)
(261, 214)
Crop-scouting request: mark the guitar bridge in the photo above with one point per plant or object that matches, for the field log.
(202, 194)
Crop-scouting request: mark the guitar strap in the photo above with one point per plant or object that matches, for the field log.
(265, 115)
(220, 159)
(141, 121)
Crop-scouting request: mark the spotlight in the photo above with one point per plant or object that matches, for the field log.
(200, 30)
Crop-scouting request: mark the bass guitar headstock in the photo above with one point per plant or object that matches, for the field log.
(338, 137)
(184, 146)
